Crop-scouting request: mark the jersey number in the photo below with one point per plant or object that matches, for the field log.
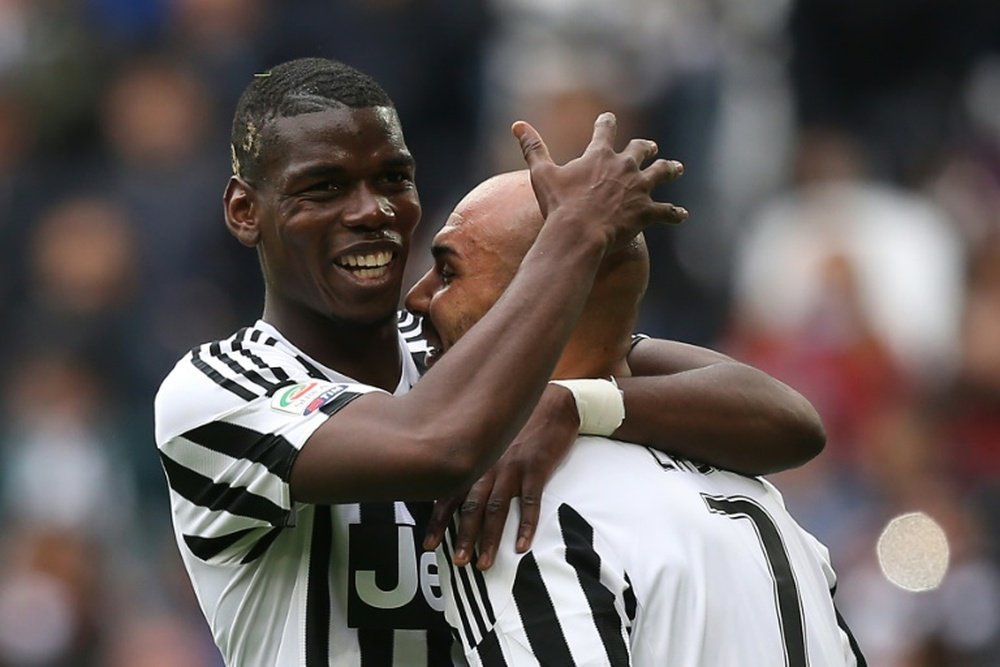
(786, 591)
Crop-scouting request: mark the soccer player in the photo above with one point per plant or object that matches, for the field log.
(639, 557)
(290, 447)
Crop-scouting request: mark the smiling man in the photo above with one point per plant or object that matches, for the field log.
(640, 557)
(294, 449)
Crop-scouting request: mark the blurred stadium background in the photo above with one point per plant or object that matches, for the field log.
(843, 175)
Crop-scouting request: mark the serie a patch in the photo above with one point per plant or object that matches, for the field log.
(306, 398)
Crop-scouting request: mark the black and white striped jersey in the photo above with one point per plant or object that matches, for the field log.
(644, 559)
(280, 582)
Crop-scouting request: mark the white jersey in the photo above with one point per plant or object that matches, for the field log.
(283, 583)
(644, 559)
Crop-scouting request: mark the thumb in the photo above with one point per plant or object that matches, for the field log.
(534, 149)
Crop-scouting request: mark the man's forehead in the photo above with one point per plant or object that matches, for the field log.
(340, 123)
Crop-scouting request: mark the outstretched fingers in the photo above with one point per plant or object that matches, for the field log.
(605, 131)
(641, 150)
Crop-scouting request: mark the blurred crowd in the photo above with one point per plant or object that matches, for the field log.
(843, 176)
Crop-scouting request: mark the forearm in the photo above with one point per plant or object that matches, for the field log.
(726, 414)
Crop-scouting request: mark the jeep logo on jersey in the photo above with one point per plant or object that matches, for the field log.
(393, 582)
(306, 398)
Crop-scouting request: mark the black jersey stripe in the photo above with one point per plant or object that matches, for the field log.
(636, 339)
(578, 536)
(470, 639)
(215, 349)
(207, 548)
(855, 647)
(272, 451)
(410, 327)
(279, 373)
(313, 372)
(489, 651)
(538, 615)
(375, 646)
(318, 590)
(467, 585)
(339, 402)
(255, 335)
(205, 492)
(630, 602)
(217, 377)
(484, 595)
(262, 545)
(439, 642)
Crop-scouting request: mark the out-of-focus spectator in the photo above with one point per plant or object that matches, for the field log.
(863, 66)
(50, 599)
(155, 121)
(849, 290)
(64, 464)
(657, 66)
(80, 289)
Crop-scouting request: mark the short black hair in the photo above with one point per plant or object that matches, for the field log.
(295, 87)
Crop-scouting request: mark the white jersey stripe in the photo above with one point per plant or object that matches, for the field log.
(541, 623)
(218, 378)
(221, 469)
(272, 451)
(280, 376)
(458, 592)
(205, 492)
(578, 536)
(215, 349)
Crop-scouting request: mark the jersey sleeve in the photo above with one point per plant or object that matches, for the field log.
(228, 473)
(567, 601)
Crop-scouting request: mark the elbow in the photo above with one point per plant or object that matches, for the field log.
(807, 435)
(450, 463)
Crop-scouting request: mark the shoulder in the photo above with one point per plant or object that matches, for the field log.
(221, 376)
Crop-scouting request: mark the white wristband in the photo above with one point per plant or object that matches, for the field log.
(600, 404)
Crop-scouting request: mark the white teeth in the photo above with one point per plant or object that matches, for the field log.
(371, 260)
(371, 273)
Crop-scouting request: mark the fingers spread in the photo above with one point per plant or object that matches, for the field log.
(641, 150)
(605, 130)
(667, 213)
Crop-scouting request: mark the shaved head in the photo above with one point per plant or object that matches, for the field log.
(499, 220)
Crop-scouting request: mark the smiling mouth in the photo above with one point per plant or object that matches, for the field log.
(368, 266)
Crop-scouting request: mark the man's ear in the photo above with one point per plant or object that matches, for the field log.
(240, 206)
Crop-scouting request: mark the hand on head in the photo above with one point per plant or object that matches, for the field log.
(610, 189)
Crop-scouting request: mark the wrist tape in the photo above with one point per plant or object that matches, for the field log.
(600, 404)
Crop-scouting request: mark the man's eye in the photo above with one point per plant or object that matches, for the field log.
(399, 178)
(446, 275)
(325, 188)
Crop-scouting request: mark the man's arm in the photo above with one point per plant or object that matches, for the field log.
(468, 407)
(703, 405)
(681, 399)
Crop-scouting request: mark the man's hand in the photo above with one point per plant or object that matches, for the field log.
(522, 471)
(610, 191)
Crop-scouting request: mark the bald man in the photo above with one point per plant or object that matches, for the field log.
(639, 558)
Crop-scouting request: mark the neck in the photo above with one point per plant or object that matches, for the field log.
(368, 353)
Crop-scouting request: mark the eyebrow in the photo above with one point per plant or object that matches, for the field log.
(442, 251)
(404, 160)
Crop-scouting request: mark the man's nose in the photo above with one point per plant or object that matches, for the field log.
(419, 297)
(368, 208)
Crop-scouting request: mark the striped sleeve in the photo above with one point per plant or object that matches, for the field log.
(229, 472)
(562, 603)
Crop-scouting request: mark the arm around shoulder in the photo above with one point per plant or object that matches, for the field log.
(704, 405)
